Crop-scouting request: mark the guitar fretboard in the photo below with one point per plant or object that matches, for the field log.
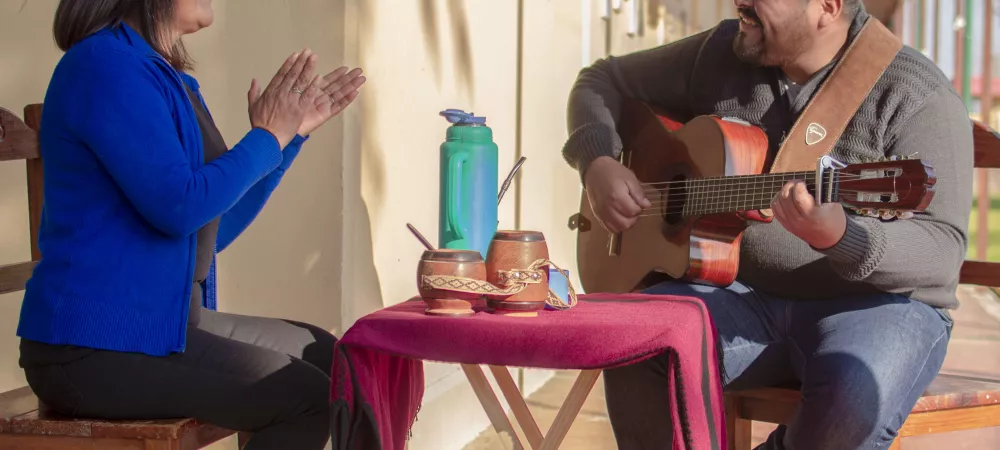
(736, 193)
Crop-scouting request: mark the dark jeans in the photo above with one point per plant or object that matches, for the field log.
(863, 363)
(266, 376)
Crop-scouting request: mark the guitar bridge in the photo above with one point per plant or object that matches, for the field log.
(825, 165)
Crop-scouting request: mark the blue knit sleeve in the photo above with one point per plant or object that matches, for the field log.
(120, 110)
(237, 219)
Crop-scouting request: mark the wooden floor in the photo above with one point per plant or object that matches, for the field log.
(974, 350)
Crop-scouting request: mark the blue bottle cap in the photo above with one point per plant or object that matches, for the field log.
(459, 117)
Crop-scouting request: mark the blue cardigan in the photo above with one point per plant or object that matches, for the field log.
(126, 190)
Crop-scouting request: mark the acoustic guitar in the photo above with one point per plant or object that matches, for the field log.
(705, 181)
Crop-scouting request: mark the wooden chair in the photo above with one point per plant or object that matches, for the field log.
(25, 423)
(950, 403)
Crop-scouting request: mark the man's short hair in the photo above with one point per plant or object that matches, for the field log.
(852, 8)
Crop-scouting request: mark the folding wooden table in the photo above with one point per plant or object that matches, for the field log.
(599, 332)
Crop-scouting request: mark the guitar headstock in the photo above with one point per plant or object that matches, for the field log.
(892, 187)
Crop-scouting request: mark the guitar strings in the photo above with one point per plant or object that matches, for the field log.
(720, 202)
(737, 181)
(762, 178)
(755, 187)
(740, 196)
(716, 206)
(735, 191)
(729, 194)
(737, 196)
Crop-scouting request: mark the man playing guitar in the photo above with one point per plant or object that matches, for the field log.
(854, 307)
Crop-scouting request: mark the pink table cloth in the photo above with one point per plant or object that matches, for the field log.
(378, 371)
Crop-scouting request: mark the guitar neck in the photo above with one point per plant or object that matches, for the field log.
(742, 193)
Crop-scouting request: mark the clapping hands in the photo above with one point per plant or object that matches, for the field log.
(339, 88)
(298, 102)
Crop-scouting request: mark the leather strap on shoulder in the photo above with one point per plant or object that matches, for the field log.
(824, 119)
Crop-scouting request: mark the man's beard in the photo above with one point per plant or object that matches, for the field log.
(776, 51)
(750, 53)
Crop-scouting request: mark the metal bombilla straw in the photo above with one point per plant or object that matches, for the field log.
(506, 183)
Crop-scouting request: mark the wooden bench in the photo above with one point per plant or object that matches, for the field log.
(25, 423)
(950, 403)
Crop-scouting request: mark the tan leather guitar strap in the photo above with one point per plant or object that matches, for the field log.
(826, 116)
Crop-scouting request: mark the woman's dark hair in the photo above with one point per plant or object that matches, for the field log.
(77, 19)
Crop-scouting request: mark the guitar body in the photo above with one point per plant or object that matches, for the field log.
(663, 244)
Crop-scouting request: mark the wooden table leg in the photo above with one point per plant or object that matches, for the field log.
(561, 424)
(494, 410)
(517, 405)
(570, 409)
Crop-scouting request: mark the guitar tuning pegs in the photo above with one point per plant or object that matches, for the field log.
(866, 212)
(894, 158)
(903, 215)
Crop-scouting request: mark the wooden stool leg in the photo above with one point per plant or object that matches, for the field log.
(739, 431)
(897, 444)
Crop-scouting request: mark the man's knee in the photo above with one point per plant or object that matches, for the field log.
(849, 407)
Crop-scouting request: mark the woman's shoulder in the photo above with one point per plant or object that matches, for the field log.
(103, 53)
(102, 70)
(99, 52)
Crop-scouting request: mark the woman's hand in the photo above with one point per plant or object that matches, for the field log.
(292, 93)
(339, 89)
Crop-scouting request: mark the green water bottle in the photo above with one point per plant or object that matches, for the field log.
(468, 196)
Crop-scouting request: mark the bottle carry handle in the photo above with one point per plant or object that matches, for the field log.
(455, 166)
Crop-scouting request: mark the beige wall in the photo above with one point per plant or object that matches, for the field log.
(287, 263)
(332, 245)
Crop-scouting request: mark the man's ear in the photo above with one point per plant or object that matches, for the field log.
(833, 10)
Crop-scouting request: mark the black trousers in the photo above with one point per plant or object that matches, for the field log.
(267, 376)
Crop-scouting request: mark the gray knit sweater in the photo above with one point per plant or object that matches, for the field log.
(912, 109)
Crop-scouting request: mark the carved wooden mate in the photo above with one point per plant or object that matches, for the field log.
(456, 265)
(514, 258)
(513, 280)
(705, 182)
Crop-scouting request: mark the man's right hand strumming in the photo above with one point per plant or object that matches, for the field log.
(615, 194)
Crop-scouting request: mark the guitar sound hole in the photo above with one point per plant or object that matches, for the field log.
(672, 201)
